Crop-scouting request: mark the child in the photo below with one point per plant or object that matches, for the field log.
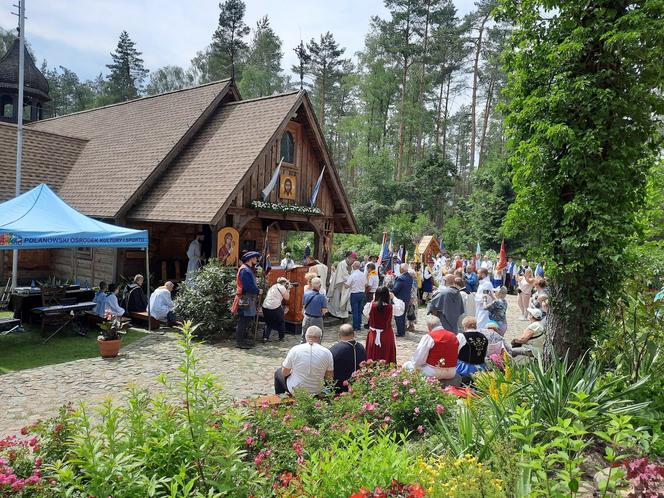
(498, 310)
(100, 300)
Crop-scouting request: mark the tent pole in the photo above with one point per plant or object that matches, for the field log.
(147, 279)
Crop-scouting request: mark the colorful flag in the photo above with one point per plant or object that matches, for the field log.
(314, 193)
(273, 182)
(384, 250)
(401, 254)
(502, 262)
(265, 256)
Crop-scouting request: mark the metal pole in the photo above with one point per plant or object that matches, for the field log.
(19, 128)
(147, 280)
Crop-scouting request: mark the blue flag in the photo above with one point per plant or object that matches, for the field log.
(273, 182)
(314, 192)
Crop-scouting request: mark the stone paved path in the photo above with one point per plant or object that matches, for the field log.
(29, 395)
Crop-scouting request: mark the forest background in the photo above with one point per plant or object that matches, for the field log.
(413, 120)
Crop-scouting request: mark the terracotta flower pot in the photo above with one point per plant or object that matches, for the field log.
(109, 349)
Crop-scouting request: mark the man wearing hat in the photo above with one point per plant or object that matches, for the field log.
(246, 294)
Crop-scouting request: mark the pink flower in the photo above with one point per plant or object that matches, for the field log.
(388, 419)
(405, 382)
(440, 409)
(318, 404)
(33, 441)
(287, 417)
(412, 390)
(24, 430)
(38, 462)
(420, 429)
(369, 407)
(416, 410)
(249, 441)
(345, 382)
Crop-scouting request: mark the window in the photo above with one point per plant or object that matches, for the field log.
(6, 106)
(288, 148)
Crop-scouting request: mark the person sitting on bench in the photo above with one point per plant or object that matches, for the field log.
(161, 304)
(136, 299)
(112, 304)
(100, 300)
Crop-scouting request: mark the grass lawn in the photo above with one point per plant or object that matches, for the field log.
(21, 350)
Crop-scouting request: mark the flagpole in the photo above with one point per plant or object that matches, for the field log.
(19, 124)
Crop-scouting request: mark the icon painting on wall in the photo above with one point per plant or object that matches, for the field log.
(228, 245)
(287, 187)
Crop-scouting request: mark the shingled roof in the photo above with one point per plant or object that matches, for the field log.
(46, 158)
(129, 144)
(202, 178)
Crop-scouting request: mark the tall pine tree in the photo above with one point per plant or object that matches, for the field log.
(228, 45)
(127, 71)
(324, 69)
(261, 74)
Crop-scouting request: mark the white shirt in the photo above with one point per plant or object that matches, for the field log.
(287, 264)
(357, 281)
(308, 364)
(275, 296)
(113, 305)
(372, 282)
(419, 359)
(398, 308)
(160, 303)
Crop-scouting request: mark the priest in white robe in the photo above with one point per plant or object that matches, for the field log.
(195, 255)
(338, 293)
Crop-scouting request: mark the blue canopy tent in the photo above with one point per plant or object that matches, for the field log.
(39, 219)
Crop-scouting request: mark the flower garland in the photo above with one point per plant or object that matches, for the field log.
(286, 208)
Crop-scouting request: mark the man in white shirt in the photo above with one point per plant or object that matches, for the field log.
(357, 283)
(483, 298)
(287, 263)
(306, 366)
(195, 255)
(437, 353)
(161, 304)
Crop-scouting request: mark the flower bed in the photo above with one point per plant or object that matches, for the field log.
(286, 208)
(394, 434)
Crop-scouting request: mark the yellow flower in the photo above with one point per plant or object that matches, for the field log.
(508, 372)
(493, 390)
(503, 389)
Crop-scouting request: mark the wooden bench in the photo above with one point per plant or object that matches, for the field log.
(93, 318)
(8, 325)
(142, 316)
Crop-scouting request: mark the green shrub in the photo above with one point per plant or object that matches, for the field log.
(184, 442)
(357, 459)
(361, 244)
(207, 299)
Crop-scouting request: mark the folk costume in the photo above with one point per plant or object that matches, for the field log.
(244, 304)
(436, 355)
(381, 342)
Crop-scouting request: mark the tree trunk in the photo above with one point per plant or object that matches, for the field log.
(439, 113)
(473, 104)
(487, 111)
(321, 104)
(402, 119)
(568, 335)
(420, 97)
(445, 115)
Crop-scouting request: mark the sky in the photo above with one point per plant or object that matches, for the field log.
(80, 34)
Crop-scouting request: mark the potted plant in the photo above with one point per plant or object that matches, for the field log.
(110, 339)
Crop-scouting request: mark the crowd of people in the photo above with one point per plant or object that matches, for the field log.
(111, 304)
(466, 313)
(466, 316)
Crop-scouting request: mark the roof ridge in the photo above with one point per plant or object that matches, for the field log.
(285, 94)
(134, 100)
(44, 132)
